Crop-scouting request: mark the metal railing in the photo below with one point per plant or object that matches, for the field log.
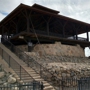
(44, 73)
(14, 65)
(84, 83)
(59, 84)
(78, 38)
(26, 86)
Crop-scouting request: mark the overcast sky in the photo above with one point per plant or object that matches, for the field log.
(77, 9)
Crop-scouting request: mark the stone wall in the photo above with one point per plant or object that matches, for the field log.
(6, 77)
(56, 49)
(59, 50)
(22, 47)
(69, 68)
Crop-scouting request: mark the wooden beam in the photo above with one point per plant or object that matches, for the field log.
(64, 28)
(47, 28)
(87, 34)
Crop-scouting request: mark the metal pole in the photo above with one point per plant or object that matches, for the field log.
(28, 61)
(2, 53)
(40, 71)
(20, 72)
(62, 84)
(42, 87)
(20, 86)
(34, 85)
(59, 84)
(87, 36)
(9, 61)
(79, 84)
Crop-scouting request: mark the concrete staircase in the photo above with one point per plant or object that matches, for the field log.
(26, 72)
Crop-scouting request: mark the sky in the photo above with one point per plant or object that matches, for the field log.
(77, 9)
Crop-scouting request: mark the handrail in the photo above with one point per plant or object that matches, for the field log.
(8, 60)
(29, 56)
(34, 61)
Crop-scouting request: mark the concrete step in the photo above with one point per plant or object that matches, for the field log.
(29, 70)
(39, 79)
(34, 74)
(26, 78)
(49, 88)
(36, 77)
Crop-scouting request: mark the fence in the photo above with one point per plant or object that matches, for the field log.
(74, 84)
(84, 83)
(26, 86)
(44, 73)
(14, 65)
(63, 84)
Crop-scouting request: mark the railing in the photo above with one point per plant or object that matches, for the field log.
(78, 38)
(59, 84)
(26, 86)
(84, 83)
(59, 35)
(82, 39)
(14, 65)
(44, 73)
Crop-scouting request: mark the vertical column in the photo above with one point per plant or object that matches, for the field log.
(29, 46)
(87, 35)
(16, 28)
(2, 34)
(73, 34)
(63, 32)
(16, 23)
(76, 34)
(8, 34)
(27, 23)
(27, 20)
(48, 28)
(2, 31)
(64, 28)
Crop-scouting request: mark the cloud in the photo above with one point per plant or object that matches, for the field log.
(71, 8)
(8, 5)
(79, 10)
(2, 16)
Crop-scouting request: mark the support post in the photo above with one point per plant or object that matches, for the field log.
(9, 61)
(48, 28)
(16, 28)
(20, 72)
(2, 40)
(87, 36)
(27, 20)
(29, 46)
(63, 32)
(2, 53)
(64, 28)
(8, 34)
(76, 34)
(27, 23)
